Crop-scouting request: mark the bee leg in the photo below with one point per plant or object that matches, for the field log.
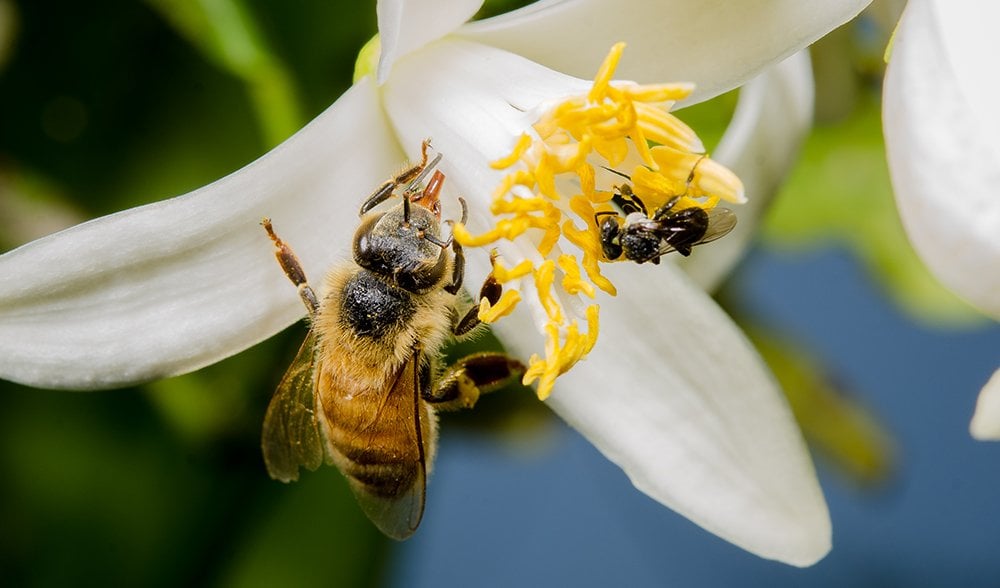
(479, 373)
(290, 263)
(458, 266)
(490, 290)
(411, 174)
(458, 269)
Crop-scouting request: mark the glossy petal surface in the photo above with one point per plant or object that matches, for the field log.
(175, 285)
(406, 25)
(716, 44)
(678, 398)
(942, 127)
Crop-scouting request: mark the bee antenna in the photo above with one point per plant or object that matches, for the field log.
(438, 242)
(694, 168)
(618, 173)
(406, 210)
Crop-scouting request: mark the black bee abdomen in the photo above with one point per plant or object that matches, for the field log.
(371, 307)
(639, 244)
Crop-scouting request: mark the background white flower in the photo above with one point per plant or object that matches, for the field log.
(941, 126)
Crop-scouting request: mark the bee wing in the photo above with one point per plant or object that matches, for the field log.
(398, 513)
(720, 222)
(291, 435)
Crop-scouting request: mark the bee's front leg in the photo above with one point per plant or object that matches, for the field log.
(383, 192)
(479, 373)
(290, 263)
(490, 290)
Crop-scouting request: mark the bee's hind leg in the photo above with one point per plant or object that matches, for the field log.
(290, 263)
(479, 373)
(461, 385)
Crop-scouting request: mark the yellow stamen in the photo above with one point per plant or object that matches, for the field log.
(606, 71)
(552, 192)
(522, 145)
(544, 278)
(572, 282)
(491, 313)
(504, 275)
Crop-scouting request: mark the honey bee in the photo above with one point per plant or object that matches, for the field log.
(363, 391)
(640, 237)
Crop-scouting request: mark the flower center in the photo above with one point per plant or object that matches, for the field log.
(550, 203)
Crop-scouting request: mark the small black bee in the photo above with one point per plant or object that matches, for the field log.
(641, 238)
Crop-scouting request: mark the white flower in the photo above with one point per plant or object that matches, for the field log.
(985, 423)
(941, 122)
(673, 392)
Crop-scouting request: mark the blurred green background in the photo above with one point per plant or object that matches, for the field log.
(111, 105)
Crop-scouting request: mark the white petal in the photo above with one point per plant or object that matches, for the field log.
(985, 424)
(675, 395)
(731, 457)
(405, 25)
(717, 44)
(941, 127)
(772, 118)
(170, 287)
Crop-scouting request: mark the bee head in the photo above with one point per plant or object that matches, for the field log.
(610, 230)
(404, 245)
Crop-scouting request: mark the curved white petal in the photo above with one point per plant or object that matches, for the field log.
(942, 125)
(985, 424)
(707, 434)
(677, 397)
(405, 25)
(717, 44)
(772, 118)
(169, 287)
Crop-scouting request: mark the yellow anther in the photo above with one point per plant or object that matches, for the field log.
(711, 178)
(666, 129)
(519, 205)
(504, 306)
(585, 173)
(504, 275)
(606, 71)
(565, 149)
(518, 178)
(545, 276)
(614, 151)
(593, 316)
(656, 93)
(572, 282)
(586, 240)
(523, 143)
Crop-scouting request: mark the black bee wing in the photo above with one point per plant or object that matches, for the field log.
(291, 432)
(720, 222)
(395, 503)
